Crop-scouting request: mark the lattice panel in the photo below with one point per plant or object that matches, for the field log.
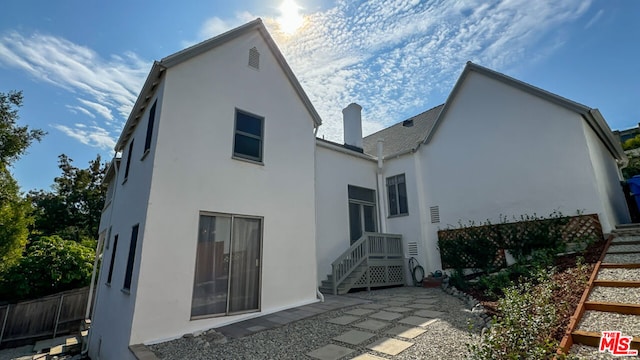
(460, 246)
(378, 274)
(396, 274)
(362, 281)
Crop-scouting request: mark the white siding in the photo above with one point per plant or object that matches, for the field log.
(194, 171)
(501, 151)
(335, 171)
(127, 209)
(407, 225)
(606, 171)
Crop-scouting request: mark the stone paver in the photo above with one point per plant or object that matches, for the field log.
(367, 357)
(398, 309)
(330, 352)
(429, 313)
(385, 315)
(420, 306)
(407, 332)
(418, 321)
(373, 306)
(343, 320)
(359, 312)
(354, 337)
(372, 325)
(395, 303)
(425, 301)
(390, 346)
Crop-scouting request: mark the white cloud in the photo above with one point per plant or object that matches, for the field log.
(102, 85)
(74, 109)
(394, 57)
(99, 108)
(594, 19)
(94, 136)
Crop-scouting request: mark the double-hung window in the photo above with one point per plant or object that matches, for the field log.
(248, 136)
(397, 193)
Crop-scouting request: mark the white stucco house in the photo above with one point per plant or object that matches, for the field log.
(225, 206)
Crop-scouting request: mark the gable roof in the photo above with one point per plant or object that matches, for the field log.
(158, 68)
(591, 116)
(400, 139)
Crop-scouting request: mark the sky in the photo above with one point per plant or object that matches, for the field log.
(82, 63)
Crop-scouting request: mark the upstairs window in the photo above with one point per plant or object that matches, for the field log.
(397, 193)
(247, 142)
(132, 256)
(113, 259)
(152, 117)
(126, 168)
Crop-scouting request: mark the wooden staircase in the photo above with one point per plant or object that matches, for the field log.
(374, 260)
(622, 235)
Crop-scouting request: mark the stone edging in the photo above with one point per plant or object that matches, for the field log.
(474, 305)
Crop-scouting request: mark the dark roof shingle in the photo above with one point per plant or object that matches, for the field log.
(399, 138)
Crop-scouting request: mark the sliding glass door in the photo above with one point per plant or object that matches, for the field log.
(227, 274)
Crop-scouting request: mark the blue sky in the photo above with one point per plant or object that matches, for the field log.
(81, 63)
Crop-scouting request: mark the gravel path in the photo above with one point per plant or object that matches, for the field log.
(588, 352)
(625, 295)
(598, 321)
(619, 274)
(622, 258)
(621, 247)
(445, 338)
(623, 239)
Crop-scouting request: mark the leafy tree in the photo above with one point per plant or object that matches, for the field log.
(633, 168)
(72, 210)
(51, 264)
(14, 139)
(632, 143)
(14, 220)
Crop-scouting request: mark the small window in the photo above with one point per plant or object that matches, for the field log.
(113, 259)
(254, 58)
(397, 193)
(247, 142)
(152, 116)
(132, 257)
(126, 168)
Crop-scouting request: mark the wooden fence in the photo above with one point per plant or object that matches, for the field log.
(49, 316)
(472, 246)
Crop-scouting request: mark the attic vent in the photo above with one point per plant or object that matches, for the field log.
(412, 248)
(407, 123)
(254, 58)
(435, 214)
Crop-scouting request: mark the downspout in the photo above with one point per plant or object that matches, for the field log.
(380, 185)
(319, 295)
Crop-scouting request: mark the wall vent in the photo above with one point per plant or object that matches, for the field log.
(435, 214)
(254, 58)
(412, 248)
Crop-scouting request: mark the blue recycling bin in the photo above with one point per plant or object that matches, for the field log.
(634, 186)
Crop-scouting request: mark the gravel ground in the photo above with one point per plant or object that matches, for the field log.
(598, 321)
(619, 274)
(622, 258)
(623, 239)
(625, 295)
(620, 247)
(588, 352)
(446, 338)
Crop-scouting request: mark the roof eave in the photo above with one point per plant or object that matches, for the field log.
(195, 50)
(146, 93)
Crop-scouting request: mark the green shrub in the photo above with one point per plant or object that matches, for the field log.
(525, 329)
(49, 265)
